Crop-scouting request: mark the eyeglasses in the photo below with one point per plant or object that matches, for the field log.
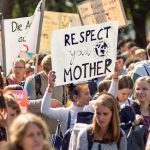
(19, 67)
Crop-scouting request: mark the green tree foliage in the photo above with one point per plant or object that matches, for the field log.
(136, 10)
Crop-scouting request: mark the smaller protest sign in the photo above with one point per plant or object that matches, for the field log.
(99, 11)
(53, 21)
(20, 97)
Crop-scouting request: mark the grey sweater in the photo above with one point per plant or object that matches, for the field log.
(82, 143)
(60, 113)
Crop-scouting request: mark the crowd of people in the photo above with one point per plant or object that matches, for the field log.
(106, 113)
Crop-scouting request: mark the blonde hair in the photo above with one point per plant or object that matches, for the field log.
(19, 127)
(46, 63)
(140, 79)
(144, 78)
(113, 133)
(20, 60)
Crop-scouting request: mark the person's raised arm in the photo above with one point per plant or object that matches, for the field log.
(114, 84)
(46, 107)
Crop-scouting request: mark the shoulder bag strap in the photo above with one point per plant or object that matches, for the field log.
(89, 139)
(69, 120)
(146, 70)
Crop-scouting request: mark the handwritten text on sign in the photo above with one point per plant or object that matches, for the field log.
(99, 11)
(84, 52)
(53, 21)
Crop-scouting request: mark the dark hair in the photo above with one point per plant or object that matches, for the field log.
(40, 58)
(125, 82)
(121, 57)
(12, 103)
(74, 89)
(2, 101)
(104, 85)
(1, 82)
(131, 44)
(120, 44)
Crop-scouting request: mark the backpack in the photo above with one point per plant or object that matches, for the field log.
(90, 137)
(66, 140)
(136, 137)
(37, 78)
(82, 117)
(58, 138)
(92, 86)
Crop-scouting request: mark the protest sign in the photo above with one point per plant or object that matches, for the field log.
(53, 21)
(99, 11)
(85, 52)
(21, 34)
(20, 97)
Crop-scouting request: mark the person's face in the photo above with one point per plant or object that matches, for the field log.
(19, 69)
(123, 94)
(11, 115)
(120, 63)
(142, 91)
(103, 116)
(33, 138)
(84, 96)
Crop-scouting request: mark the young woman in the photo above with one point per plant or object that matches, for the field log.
(142, 105)
(104, 133)
(125, 87)
(12, 107)
(80, 96)
(138, 113)
(12, 110)
(28, 132)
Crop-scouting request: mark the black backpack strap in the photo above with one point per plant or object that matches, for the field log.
(37, 78)
(69, 120)
(89, 139)
(64, 100)
(118, 143)
(146, 70)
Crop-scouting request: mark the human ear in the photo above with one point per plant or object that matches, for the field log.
(74, 98)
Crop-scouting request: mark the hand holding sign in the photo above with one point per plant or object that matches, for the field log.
(116, 72)
(51, 80)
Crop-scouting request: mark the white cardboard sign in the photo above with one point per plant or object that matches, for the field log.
(85, 52)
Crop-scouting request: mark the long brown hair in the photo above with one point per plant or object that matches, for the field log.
(113, 133)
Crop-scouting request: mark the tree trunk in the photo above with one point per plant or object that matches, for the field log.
(139, 20)
(6, 8)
